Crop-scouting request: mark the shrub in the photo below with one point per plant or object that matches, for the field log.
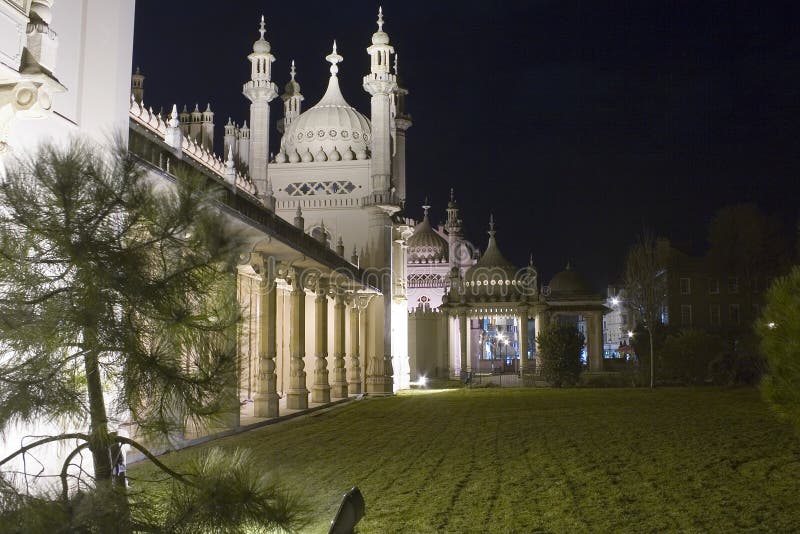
(560, 349)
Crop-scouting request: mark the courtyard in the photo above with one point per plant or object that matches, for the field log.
(539, 460)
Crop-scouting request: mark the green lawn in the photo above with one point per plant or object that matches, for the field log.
(540, 460)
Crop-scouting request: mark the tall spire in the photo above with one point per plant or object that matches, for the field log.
(425, 208)
(381, 84)
(492, 231)
(260, 90)
(292, 98)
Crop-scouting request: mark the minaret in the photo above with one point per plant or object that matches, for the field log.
(195, 125)
(455, 233)
(137, 86)
(291, 101)
(402, 122)
(185, 119)
(381, 84)
(260, 90)
(229, 141)
(207, 130)
(244, 144)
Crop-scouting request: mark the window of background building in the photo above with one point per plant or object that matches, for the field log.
(686, 286)
(733, 285)
(734, 313)
(713, 286)
(686, 315)
(713, 315)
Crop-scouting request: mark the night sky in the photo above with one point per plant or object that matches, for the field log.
(575, 122)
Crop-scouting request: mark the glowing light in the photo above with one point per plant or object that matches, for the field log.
(614, 301)
(630, 333)
(771, 325)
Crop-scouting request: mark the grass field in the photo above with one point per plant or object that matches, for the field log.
(540, 460)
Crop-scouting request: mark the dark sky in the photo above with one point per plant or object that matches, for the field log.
(575, 122)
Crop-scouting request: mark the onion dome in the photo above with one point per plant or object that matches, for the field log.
(348, 154)
(292, 87)
(294, 157)
(335, 156)
(380, 36)
(262, 46)
(426, 245)
(494, 277)
(332, 123)
(281, 157)
(568, 283)
(306, 156)
(321, 155)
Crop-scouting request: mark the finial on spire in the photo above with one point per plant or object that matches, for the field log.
(229, 162)
(452, 195)
(292, 71)
(262, 28)
(491, 225)
(426, 207)
(333, 58)
(380, 18)
(530, 259)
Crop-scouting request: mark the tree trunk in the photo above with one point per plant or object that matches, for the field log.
(115, 513)
(98, 420)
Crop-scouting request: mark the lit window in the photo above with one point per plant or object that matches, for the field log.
(686, 315)
(686, 286)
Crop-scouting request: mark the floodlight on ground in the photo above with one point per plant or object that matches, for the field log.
(771, 325)
(350, 512)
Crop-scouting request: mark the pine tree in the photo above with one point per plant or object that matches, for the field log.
(117, 299)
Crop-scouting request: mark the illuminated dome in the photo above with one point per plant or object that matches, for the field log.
(426, 245)
(331, 124)
(494, 278)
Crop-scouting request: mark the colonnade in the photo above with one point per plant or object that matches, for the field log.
(459, 345)
(347, 375)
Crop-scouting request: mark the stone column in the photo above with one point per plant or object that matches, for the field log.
(355, 364)
(594, 340)
(522, 337)
(540, 322)
(265, 402)
(297, 396)
(339, 390)
(462, 334)
(362, 341)
(321, 390)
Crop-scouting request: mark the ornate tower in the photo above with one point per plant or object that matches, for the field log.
(137, 86)
(243, 136)
(402, 122)
(260, 90)
(207, 129)
(381, 84)
(229, 140)
(195, 125)
(292, 99)
(455, 234)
